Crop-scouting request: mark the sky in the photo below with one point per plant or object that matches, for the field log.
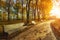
(5, 0)
(14, 0)
(56, 8)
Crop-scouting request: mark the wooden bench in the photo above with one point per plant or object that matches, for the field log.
(7, 34)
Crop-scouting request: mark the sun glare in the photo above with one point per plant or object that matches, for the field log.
(55, 10)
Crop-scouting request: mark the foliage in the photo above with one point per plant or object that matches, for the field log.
(3, 4)
(45, 6)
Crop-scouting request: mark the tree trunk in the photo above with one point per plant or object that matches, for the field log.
(17, 9)
(22, 10)
(8, 9)
(0, 2)
(37, 10)
(38, 16)
(28, 9)
(34, 12)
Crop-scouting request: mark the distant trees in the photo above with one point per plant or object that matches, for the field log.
(18, 6)
(29, 9)
(2, 9)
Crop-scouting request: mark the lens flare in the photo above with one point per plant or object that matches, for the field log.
(56, 9)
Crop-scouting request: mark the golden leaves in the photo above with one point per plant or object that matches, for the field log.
(45, 5)
(3, 4)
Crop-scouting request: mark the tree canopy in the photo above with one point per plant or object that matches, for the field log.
(45, 6)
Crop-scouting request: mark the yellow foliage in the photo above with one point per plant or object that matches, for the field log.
(3, 4)
(45, 6)
(18, 5)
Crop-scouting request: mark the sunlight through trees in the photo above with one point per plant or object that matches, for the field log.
(26, 9)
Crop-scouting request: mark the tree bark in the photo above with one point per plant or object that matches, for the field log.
(38, 14)
(22, 10)
(28, 9)
(8, 9)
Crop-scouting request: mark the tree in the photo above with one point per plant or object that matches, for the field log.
(33, 7)
(45, 6)
(18, 6)
(28, 9)
(3, 4)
